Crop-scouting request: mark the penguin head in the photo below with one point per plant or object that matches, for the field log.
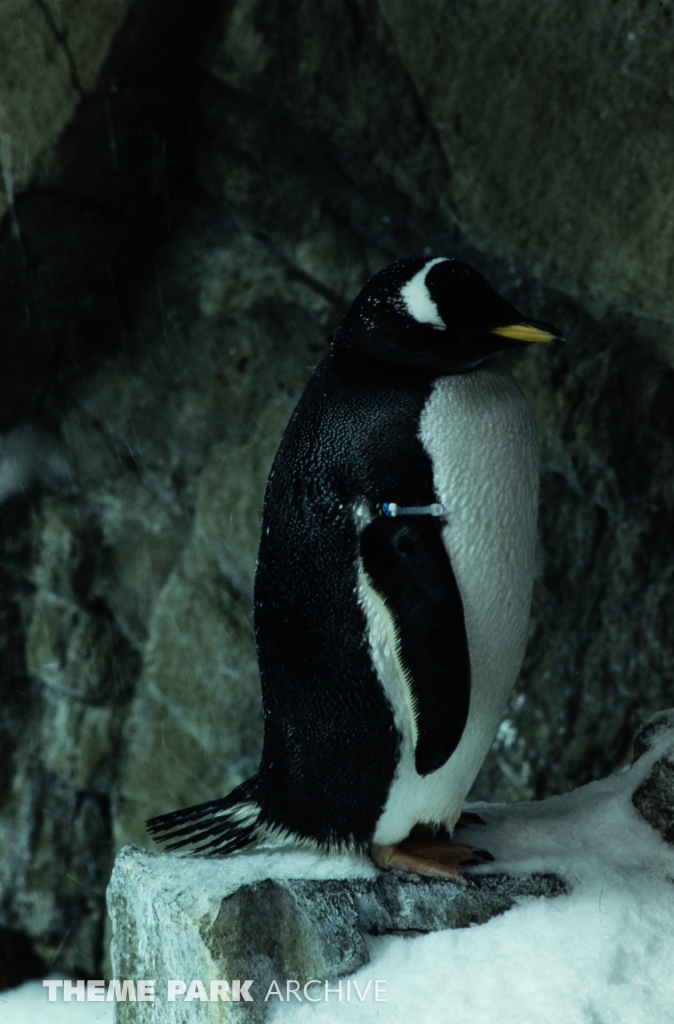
(438, 314)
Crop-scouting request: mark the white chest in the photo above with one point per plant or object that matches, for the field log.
(480, 434)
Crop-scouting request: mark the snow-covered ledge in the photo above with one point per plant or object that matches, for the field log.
(273, 918)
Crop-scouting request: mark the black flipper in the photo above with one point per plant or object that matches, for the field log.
(409, 568)
(217, 826)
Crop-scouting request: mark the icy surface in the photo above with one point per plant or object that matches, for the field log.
(601, 955)
(28, 1005)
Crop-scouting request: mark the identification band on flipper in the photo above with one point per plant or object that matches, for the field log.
(390, 508)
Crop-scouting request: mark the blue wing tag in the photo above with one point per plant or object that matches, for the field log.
(390, 508)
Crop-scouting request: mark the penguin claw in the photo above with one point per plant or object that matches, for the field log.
(430, 858)
(468, 818)
(480, 857)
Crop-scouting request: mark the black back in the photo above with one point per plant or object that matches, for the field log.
(331, 745)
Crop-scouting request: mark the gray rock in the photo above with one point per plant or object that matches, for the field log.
(654, 798)
(248, 917)
(50, 57)
(30, 456)
(553, 122)
(650, 734)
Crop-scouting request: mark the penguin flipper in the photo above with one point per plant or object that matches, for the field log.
(410, 571)
(218, 826)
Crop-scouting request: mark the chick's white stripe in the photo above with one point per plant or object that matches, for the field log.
(417, 298)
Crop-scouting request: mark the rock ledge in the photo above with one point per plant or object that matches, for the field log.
(276, 916)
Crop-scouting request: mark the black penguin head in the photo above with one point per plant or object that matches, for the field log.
(438, 314)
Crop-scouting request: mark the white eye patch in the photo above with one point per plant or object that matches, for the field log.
(417, 299)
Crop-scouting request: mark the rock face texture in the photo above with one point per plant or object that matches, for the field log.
(51, 56)
(654, 798)
(560, 161)
(270, 917)
(192, 196)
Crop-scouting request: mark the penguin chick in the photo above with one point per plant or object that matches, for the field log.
(394, 579)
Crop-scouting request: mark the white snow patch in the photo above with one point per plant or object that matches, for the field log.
(28, 1005)
(601, 955)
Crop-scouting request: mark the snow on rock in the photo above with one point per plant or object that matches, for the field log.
(597, 953)
(274, 916)
(654, 798)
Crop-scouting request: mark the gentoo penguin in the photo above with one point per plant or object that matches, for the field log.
(393, 580)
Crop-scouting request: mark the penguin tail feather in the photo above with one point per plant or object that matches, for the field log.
(220, 826)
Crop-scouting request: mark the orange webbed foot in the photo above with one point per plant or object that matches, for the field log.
(429, 855)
